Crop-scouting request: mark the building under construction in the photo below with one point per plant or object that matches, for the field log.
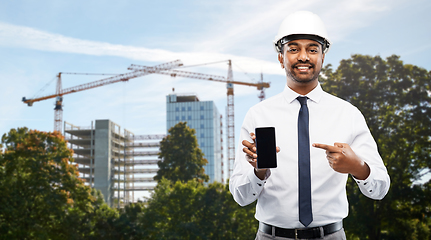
(113, 160)
(119, 163)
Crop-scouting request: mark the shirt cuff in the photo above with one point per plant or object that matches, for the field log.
(366, 184)
(256, 183)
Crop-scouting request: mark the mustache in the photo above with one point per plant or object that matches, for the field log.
(302, 62)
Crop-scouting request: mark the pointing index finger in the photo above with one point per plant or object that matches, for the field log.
(328, 148)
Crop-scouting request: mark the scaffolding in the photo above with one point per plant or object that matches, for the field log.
(116, 162)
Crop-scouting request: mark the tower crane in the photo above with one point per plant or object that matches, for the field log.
(58, 114)
(230, 98)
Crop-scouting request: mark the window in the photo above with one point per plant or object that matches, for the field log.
(177, 118)
(183, 108)
(183, 117)
(202, 135)
(177, 109)
(189, 108)
(202, 144)
(202, 126)
(189, 117)
(202, 108)
(202, 117)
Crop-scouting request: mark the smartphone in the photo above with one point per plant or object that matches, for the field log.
(265, 147)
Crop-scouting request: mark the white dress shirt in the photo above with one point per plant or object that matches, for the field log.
(331, 120)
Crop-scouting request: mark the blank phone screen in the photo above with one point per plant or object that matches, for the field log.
(266, 148)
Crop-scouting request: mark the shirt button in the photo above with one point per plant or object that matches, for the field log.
(259, 184)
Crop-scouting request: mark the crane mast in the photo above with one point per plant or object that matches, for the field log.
(230, 120)
(262, 91)
(58, 109)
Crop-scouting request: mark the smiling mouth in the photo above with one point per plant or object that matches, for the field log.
(303, 68)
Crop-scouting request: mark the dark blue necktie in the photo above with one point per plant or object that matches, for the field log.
(305, 212)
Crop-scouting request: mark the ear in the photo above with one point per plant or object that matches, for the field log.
(323, 58)
(281, 60)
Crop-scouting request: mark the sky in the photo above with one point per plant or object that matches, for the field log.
(39, 39)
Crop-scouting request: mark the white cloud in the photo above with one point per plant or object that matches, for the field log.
(248, 22)
(25, 37)
(344, 17)
(256, 20)
(262, 21)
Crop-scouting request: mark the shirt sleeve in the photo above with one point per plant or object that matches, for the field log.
(244, 185)
(376, 186)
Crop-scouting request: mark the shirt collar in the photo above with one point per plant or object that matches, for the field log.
(315, 95)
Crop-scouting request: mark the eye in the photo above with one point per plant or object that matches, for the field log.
(314, 50)
(292, 50)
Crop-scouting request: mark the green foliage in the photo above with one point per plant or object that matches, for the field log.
(189, 210)
(38, 185)
(395, 100)
(124, 225)
(128, 223)
(42, 196)
(182, 159)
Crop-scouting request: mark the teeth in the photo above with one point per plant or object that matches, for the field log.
(302, 68)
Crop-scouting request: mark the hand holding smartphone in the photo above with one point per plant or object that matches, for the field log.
(266, 149)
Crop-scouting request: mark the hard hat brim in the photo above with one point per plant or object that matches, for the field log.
(286, 39)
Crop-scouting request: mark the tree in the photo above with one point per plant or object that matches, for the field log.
(38, 185)
(128, 224)
(395, 100)
(181, 157)
(97, 221)
(119, 226)
(190, 210)
(41, 194)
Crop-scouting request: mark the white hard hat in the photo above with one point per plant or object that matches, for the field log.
(302, 24)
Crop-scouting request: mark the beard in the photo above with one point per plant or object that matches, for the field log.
(302, 77)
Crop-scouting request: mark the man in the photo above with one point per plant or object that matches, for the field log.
(321, 138)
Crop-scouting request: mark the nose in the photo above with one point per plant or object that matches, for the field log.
(303, 55)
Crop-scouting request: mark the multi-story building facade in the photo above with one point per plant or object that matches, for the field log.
(204, 117)
(114, 160)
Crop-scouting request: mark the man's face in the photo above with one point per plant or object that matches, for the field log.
(302, 60)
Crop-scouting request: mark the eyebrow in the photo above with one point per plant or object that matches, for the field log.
(309, 45)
